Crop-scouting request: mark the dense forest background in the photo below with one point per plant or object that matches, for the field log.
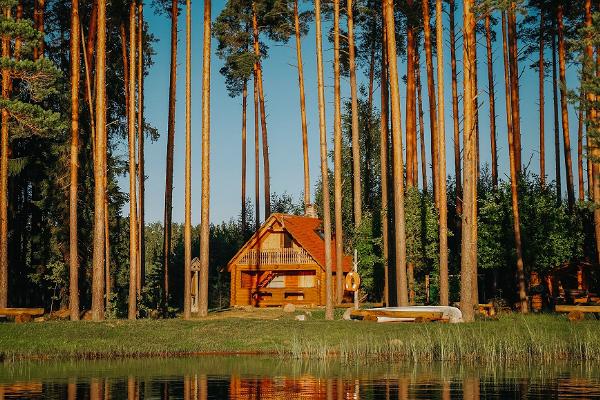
(553, 229)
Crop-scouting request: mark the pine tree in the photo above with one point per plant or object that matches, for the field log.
(22, 115)
(324, 168)
(74, 164)
(399, 223)
(205, 215)
(187, 271)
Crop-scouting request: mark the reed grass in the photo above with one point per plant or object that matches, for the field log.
(511, 338)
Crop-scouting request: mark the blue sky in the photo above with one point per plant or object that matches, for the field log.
(283, 119)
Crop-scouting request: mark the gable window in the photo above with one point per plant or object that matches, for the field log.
(287, 241)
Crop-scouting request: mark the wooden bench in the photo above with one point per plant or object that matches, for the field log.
(417, 316)
(22, 314)
(576, 312)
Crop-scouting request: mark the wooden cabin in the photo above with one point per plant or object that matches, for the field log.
(283, 262)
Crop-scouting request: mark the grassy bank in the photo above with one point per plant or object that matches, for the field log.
(536, 338)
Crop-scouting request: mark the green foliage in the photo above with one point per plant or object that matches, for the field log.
(422, 246)
(551, 235)
(369, 259)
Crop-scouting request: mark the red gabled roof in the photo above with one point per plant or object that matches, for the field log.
(305, 230)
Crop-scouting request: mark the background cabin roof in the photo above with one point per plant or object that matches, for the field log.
(306, 232)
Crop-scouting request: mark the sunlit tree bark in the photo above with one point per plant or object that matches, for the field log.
(492, 99)
(399, 222)
(556, 122)
(205, 215)
(514, 172)
(337, 150)
(187, 229)
(263, 117)
(74, 164)
(441, 136)
(564, 107)
(168, 229)
(384, 143)
(141, 160)
(357, 201)
(98, 273)
(133, 223)
(455, 115)
(432, 100)
(307, 199)
(541, 68)
(324, 168)
(469, 216)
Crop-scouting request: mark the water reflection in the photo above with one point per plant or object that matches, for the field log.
(261, 378)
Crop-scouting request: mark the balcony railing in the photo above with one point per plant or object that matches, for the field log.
(276, 257)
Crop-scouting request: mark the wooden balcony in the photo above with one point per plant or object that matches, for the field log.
(285, 256)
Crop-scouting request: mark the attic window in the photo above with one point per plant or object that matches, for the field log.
(287, 241)
(320, 233)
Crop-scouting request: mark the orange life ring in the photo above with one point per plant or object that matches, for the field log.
(352, 281)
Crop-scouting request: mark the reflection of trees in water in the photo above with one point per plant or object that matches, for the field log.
(301, 381)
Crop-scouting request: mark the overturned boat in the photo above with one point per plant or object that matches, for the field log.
(409, 314)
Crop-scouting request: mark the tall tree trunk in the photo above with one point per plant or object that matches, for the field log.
(411, 118)
(307, 200)
(581, 185)
(337, 154)
(455, 115)
(74, 164)
(170, 150)
(592, 113)
(432, 106)
(421, 124)
(357, 201)
(469, 216)
(256, 152)
(383, 148)
(514, 82)
(38, 21)
(411, 129)
(141, 275)
(263, 116)
(4, 154)
(125, 60)
(98, 273)
(441, 136)
(564, 108)
(90, 43)
(399, 222)
(133, 223)
(324, 168)
(492, 97)
(476, 102)
(541, 68)
(556, 123)
(244, 154)
(205, 215)
(514, 173)
(187, 229)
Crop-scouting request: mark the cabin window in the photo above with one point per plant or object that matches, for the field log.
(287, 241)
(277, 283)
(306, 279)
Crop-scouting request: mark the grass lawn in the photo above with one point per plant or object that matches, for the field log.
(534, 338)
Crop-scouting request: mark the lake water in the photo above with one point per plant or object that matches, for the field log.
(263, 378)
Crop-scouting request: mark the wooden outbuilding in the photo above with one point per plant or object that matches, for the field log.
(283, 262)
